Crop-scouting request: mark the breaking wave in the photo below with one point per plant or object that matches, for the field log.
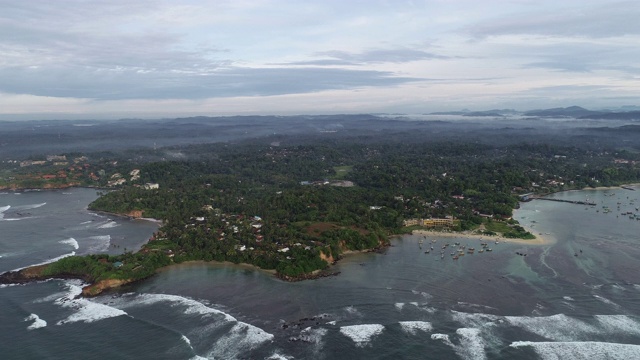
(99, 243)
(85, 310)
(471, 345)
(581, 350)
(361, 335)
(71, 242)
(412, 327)
(607, 301)
(37, 322)
(108, 225)
(237, 338)
(29, 207)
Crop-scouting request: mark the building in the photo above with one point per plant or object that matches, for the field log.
(431, 222)
(437, 222)
(151, 186)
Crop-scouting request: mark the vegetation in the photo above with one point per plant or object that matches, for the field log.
(286, 208)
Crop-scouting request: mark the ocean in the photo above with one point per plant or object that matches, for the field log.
(576, 297)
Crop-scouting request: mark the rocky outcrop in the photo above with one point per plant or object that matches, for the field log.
(102, 285)
(136, 214)
(328, 258)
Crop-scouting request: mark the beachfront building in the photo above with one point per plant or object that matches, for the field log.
(430, 222)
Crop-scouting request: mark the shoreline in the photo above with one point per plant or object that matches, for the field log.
(469, 235)
(611, 187)
(24, 275)
(214, 263)
(126, 216)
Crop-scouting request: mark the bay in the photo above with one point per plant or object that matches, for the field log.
(575, 297)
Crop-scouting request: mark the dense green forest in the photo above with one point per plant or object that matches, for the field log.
(293, 208)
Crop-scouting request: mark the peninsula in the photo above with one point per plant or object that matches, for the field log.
(294, 205)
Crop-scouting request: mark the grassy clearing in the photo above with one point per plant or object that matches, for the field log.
(342, 171)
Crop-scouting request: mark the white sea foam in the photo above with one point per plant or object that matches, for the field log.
(412, 327)
(108, 225)
(422, 293)
(186, 340)
(48, 261)
(399, 306)
(37, 322)
(2, 286)
(50, 298)
(312, 335)
(276, 356)
(191, 306)
(86, 310)
(556, 327)
(241, 338)
(475, 306)
(607, 301)
(16, 219)
(331, 322)
(620, 324)
(581, 350)
(70, 241)
(86, 222)
(352, 311)
(4, 208)
(471, 344)
(568, 298)
(362, 334)
(475, 319)
(442, 337)
(99, 243)
(29, 207)
(618, 287)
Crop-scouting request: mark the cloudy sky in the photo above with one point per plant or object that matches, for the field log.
(142, 58)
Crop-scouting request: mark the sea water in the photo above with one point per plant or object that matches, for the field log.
(574, 297)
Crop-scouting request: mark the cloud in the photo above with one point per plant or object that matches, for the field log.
(127, 83)
(372, 56)
(581, 20)
(582, 57)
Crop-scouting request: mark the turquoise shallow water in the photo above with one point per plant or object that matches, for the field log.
(402, 303)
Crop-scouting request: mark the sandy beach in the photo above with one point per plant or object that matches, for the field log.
(539, 240)
(611, 187)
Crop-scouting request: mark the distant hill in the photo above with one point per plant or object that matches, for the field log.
(627, 115)
(492, 113)
(572, 111)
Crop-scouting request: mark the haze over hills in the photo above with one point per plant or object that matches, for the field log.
(23, 139)
(577, 112)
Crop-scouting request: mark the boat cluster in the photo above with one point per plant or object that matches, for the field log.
(459, 250)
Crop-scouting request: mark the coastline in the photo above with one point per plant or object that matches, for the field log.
(469, 235)
(130, 216)
(611, 187)
(32, 273)
(214, 263)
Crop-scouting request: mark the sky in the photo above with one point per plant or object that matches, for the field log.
(140, 58)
